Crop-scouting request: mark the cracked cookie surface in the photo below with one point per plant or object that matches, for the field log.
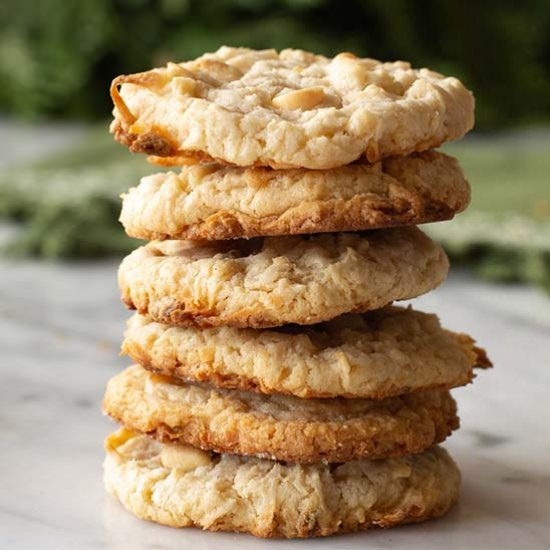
(273, 499)
(273, 281)
(288, 109)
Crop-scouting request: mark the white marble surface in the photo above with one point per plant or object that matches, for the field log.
(60, 328)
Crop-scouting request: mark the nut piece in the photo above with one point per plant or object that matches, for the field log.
(126, 444)
(183, 457)
(183, 85)
(119, 438)
(304, 99)
(175, 70)
(217, 69)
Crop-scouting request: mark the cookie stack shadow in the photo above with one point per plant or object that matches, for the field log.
(276, 388)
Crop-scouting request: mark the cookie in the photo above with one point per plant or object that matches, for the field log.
(272, 281)
(279, 427)
(374, 355)
(287, 109)
(175, 486)
(211, 201)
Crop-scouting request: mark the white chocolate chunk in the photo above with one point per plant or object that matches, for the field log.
(183, 457)
(303, 99)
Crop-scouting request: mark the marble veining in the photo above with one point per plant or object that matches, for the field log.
(60, 330)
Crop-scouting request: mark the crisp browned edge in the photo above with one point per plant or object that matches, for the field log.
(176, 315)
(345, 453)
(327, 219)
(176, 369)
(157, 144)
(301, 441)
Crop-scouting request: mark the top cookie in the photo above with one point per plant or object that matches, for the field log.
(287, 109)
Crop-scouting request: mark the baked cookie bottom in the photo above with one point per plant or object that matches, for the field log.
(213, 202)
(273, 281)
(182, 487)
(279, 427)
(375, 355)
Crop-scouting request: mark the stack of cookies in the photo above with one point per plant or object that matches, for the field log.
(277, 391)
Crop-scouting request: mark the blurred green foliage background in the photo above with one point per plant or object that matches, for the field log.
(57, 56)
